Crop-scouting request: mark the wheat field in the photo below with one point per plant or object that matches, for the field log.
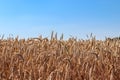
(59, 59)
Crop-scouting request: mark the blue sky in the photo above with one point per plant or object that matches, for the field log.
(78, 18)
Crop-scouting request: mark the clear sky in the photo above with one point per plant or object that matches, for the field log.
(78, 18)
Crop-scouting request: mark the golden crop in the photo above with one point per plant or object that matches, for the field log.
(53, 59)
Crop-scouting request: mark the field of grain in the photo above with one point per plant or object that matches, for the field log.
(58, 59)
